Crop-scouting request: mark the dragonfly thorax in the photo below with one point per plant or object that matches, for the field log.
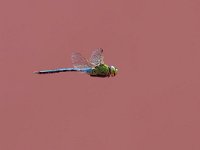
(103, 70)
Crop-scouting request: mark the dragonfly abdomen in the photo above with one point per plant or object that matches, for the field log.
(87, 70)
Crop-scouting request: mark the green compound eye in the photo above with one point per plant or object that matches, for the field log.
(113, 71)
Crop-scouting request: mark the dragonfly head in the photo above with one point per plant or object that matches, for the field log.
(113, 71)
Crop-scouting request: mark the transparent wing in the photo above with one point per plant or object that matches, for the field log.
(97, 57)
(79, 61)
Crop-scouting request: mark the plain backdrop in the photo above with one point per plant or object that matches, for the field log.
(152, 104)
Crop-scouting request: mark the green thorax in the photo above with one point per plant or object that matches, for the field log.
(101, 71)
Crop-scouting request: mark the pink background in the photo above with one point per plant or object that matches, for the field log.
(153, 103)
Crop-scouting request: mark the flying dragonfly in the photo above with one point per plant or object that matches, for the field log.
(94, 66)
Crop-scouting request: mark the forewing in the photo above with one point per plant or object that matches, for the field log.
(79, 61)
(97, 57)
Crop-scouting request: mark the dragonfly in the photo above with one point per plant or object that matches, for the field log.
(95, 66)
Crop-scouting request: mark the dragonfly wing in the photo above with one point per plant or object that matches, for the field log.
(97, 57)
(79, 61)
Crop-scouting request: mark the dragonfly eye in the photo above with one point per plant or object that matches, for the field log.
(113, 71)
